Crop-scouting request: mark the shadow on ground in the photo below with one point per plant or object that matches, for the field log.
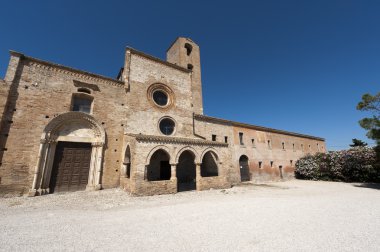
(369, 185)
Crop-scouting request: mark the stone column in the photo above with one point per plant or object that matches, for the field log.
(173, 171)
(41, 155)
(99, 158)
(198, 177)
(91, 175)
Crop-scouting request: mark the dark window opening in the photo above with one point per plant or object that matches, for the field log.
(253, 142)
(190, 67)
(283, 145)
(269, 145)
(209, 166)
(159, 167)
(271, 163)
(189, 49)
(260, 164)
(160, 98)
(167, 126)
(127, 162)
(213, 137)
(241, 138)
(291, 162)
(226, 139)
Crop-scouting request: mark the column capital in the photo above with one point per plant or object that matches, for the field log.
(198, 163)
(97, 144)
(173, 164)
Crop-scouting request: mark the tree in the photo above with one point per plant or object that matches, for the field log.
(358, 143)
(371, 124)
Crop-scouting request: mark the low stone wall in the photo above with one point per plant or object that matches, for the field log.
(148, 188)
(207, 183)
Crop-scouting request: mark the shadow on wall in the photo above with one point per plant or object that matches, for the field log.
(9, 110)
(368, 185)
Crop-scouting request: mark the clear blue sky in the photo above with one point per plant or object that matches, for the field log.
(300, 66)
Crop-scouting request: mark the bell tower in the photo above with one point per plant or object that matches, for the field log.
(185, 53)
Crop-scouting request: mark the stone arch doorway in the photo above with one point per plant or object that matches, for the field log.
(69, 140)
(244, 168)
(159, 167)
(186, 172)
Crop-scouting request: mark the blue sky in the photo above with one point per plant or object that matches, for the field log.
(300, 66)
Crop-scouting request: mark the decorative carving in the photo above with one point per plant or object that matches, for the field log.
(175, 140)
(52, 130)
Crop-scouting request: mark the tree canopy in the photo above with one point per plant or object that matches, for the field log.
(371, 103)
(358, 143)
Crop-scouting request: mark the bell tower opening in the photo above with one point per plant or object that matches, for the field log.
(185, 53)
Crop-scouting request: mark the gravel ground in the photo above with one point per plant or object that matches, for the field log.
(283, 216)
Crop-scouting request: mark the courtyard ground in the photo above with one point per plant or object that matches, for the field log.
(283, 216)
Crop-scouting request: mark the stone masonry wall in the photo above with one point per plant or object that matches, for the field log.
(43, 91)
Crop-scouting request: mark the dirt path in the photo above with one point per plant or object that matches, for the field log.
(284, 216)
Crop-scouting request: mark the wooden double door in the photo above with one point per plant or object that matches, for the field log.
(71, 167)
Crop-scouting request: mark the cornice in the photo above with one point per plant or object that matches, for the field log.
(68, 70)
(255, 127)
(176, 140)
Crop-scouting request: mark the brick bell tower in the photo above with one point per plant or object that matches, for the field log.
(185, 53)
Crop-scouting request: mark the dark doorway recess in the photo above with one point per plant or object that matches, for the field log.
(159, 167)
(244, 168)
(70, 167)
(186, 177)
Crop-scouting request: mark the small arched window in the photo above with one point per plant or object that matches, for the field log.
(189, 48)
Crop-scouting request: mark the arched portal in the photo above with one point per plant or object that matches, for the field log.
(244, 168)
(70, 155)
(209, 166)
(186, 175)
(159, 167)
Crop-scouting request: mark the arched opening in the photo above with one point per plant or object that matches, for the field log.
(159, 166)
(186, 175)
(209, 166)
(244, 168)
(127, 163)
(189, 48)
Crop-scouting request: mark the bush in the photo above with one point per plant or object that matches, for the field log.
(354, 165)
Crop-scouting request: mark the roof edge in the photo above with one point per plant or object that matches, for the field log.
(158, 60)
(23, 56)
(256, 127)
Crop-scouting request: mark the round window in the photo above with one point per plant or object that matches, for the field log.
(160, 98)
(167, 126)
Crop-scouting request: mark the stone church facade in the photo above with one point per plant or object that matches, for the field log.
(64, 129)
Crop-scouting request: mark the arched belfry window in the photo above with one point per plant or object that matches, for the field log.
(82, 103)
(189, 48)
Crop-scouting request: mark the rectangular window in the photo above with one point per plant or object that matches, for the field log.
(269, 145)
(214, 138)
(271, 163)
(226, 139)
(253, 143)
(291, 162)
(283, 145)
(260, 164)
(82, 103)
(241, 138)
